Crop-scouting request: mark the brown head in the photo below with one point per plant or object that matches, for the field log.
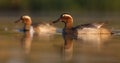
(66, 18)
(25, 19)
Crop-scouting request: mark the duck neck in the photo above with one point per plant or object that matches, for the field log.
(26, 27)
(68, 28)
(68, 25)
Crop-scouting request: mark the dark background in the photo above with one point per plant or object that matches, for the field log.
(60, 5)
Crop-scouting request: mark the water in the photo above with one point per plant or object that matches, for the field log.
(17, 47)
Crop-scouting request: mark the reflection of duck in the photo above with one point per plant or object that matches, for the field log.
(26, 41)
(42, 28)
(86, 41)
(94, 28)
(94, 40)
(68, 47)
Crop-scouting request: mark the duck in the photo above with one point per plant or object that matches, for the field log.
(40, 29)
(89, 28)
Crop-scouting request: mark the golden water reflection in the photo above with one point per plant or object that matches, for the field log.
(91, 42)
(26, 42)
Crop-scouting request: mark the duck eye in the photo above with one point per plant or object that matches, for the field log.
(62, 16)
(21, 18)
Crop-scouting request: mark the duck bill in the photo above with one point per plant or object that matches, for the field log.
(56, 21)
(18, 21)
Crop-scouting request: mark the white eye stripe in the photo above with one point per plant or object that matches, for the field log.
(66, 15)
(26, 17)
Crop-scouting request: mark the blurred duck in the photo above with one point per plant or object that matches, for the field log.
(42, 28)
(93, 28)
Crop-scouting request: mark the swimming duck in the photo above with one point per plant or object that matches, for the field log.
(42, 28)
(93, 28)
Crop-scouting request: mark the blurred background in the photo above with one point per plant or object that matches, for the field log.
(60, 5)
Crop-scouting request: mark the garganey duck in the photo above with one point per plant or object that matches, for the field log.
(93, 28)
(42, 28)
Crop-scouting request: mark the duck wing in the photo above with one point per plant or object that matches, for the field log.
(85, 26)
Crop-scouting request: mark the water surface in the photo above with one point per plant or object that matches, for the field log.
(18, 47)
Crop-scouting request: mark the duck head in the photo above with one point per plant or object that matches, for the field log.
(26, 20)
(66, 18)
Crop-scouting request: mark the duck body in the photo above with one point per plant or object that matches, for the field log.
(44, 28)
(41, 28)
(92, 28)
